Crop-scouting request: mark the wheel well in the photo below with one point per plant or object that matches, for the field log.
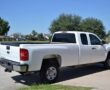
(52, 58)
(108, 55)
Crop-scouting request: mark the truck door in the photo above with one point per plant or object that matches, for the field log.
(91, 49)
(98, 51)
(84, 49)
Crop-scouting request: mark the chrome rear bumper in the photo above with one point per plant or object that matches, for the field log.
(13, 66)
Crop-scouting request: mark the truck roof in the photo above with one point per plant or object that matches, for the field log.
(72, 32)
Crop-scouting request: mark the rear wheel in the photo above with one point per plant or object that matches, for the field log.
(49, 72)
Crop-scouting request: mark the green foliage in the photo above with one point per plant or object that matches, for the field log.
(34, 33)
(4, 27)
(108, 33)
(41, 36)
(93, 25)
(66, 23)
(75, 23)
(35, 36)
(108, 37)
(54, 87)
(16, 35)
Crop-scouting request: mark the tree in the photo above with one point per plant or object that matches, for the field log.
(93, 25)
(34, 33)
(28, 37)
(40, 36)
(108, 36)
(66, 23)
(4, 27)
(32, 36)
(17, 35)
(76, 23)
(108, 33)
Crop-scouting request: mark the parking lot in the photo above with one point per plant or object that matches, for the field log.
(90, 76)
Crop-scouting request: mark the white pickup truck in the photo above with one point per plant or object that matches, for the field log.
(66, 49)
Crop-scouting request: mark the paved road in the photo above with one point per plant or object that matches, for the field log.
(89, 76)
(6, 81)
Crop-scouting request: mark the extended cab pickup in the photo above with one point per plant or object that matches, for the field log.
(66, 49)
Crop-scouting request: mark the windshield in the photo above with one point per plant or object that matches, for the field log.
(64, 37)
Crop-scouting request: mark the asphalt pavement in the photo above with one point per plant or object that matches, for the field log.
(94, 76)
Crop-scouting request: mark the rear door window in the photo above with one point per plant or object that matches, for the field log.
(84, 40)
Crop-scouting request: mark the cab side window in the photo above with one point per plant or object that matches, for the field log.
(94, 40)
(84, 39)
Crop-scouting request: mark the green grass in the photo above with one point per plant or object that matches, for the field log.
(54, 87)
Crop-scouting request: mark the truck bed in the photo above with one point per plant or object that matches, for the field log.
(18, 43)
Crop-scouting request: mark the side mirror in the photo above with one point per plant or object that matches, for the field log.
(103, 42)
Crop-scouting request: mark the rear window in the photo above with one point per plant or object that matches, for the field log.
(64, 37)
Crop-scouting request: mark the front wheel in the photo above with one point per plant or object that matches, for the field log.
(107, 63)
(25, 73)
(49, 72)
(22, 73)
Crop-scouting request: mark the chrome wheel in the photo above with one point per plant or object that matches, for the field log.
(51, 73)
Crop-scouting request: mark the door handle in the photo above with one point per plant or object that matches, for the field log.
(93, 48)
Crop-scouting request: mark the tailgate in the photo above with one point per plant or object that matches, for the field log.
(10, 52)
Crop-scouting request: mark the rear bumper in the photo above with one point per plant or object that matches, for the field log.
(13, 66)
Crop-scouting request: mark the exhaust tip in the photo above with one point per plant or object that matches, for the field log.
(7, 70)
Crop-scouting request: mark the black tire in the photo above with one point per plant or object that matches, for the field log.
(24, 73)
(49, 72)
(107, 63)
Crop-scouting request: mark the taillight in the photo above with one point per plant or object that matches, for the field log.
(24, 55)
